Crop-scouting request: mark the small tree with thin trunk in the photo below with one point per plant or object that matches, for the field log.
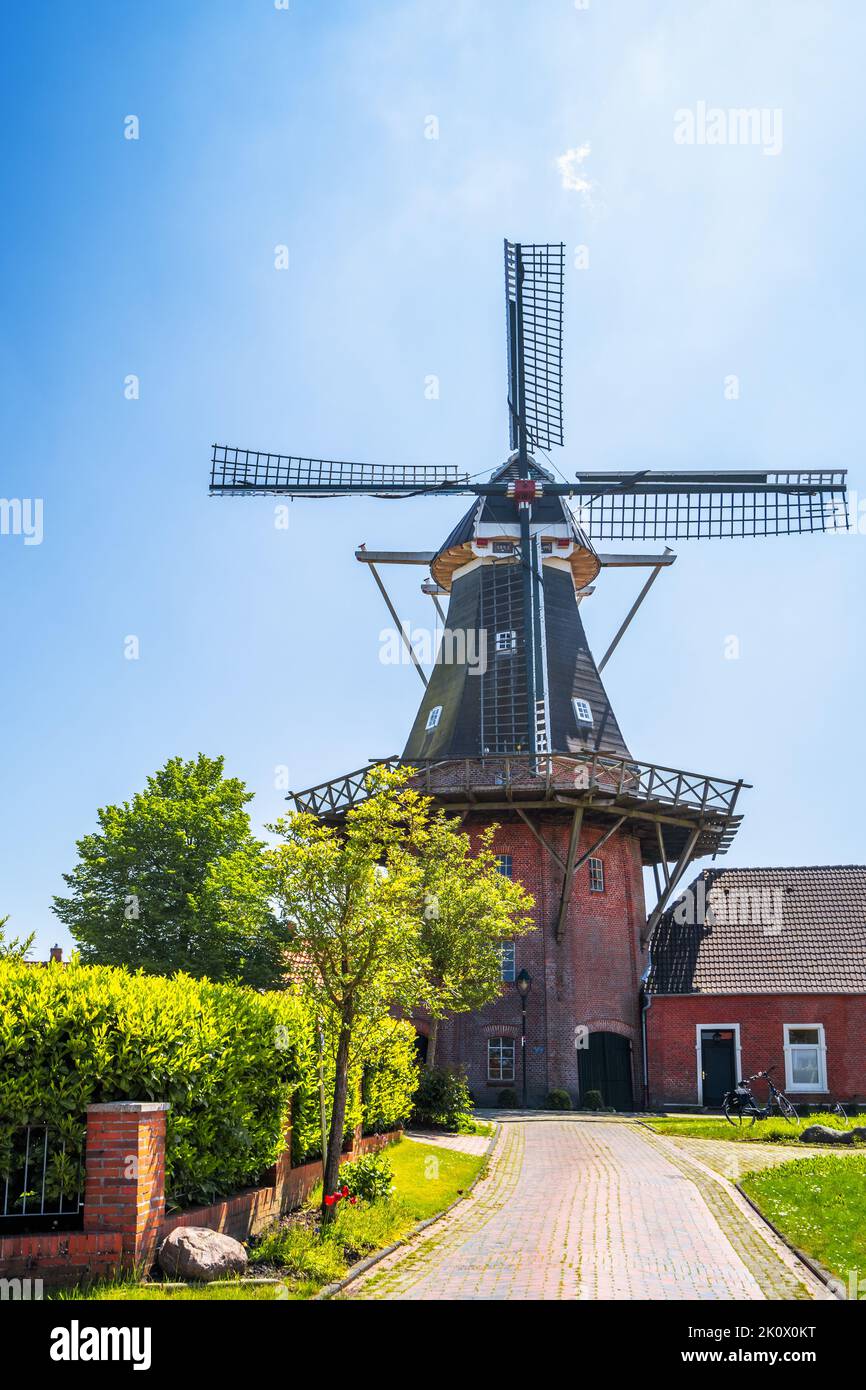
(376, 910)
(351, 898)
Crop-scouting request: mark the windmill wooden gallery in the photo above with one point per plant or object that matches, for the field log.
(659, 1009)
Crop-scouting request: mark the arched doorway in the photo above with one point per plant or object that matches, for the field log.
(605, 1065)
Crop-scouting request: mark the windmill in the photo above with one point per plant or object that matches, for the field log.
(520, 726)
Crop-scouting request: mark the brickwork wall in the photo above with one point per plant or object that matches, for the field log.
(592, 977)
(124, 1201)
(671, 1033)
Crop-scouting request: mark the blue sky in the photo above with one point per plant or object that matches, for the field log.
(306, 128)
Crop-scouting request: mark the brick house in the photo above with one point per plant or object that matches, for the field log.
(760, 967)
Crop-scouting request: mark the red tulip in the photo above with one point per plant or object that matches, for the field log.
(353, 1201)
(329, 1201)
(345, 1191)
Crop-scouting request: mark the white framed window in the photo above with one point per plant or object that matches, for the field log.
(503, 864)
(433, 717)
(500, 1059)
(506, 641)
(805, 1057)
(582, 711)
(507, 962)
(596, 875)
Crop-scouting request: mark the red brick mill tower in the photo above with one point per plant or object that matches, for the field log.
(515, 726)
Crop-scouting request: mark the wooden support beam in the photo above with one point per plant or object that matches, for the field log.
(658, 881)
(602, 840)
(400, 628)
(662, 852)
(539, 837)
(611, 560)
(574, 840)
(394, 557)
(635, 606)
(679, 869)
(437, 605)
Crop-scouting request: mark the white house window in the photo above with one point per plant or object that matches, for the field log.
(507, 962)
(433, 717)
(503, 865)
(500, 1059)
(596, 875)
(582, 711)
(506, 641)
(805, 1057)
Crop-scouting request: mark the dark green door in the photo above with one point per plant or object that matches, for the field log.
(606, 1066)
(717, 1064)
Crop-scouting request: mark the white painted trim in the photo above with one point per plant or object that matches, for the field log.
(790, 1085)
(720, 1027)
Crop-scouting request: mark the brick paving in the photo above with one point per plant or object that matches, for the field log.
(576, 1210)
(463, 1143)
(732, 1160)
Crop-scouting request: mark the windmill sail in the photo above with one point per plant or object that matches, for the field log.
(692, 506)
(534, 276)
(253, 472)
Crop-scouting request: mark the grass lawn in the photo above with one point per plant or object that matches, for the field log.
(427, 1178)
(773, 1131)
(819, 1204)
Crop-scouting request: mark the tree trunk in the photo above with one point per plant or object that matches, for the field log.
(431, 1044)
(338, 1119)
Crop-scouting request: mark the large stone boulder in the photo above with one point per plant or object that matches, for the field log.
(823, 1134)
(194, 1252)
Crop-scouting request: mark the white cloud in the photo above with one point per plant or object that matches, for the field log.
(569, 166)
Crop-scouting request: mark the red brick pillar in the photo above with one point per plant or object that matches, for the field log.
(125, 1175)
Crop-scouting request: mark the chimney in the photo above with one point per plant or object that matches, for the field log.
(56, 954)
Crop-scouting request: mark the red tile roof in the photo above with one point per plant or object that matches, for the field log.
(766, 931)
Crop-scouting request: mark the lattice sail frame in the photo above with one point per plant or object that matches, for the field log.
(534, 283)
(787, 503)
(251, 471)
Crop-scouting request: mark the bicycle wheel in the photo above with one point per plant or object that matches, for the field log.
(738, 1116)
(786, 1110)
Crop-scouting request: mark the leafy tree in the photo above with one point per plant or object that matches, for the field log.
(175, 880)
(358, 902)
(16, 948)
(470, 909)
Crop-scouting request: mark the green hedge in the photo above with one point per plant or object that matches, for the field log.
(229, 1061)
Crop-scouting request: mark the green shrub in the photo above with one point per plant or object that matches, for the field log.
(370, 1177)
(507, 1099)
(443, 1099)
(229, 1061)
(558, 1100)
(593, 1100)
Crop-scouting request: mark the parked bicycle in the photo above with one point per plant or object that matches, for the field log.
(741, 1107)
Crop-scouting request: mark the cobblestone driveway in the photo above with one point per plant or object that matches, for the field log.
(586, 1210)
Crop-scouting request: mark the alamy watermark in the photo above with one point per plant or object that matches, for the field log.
(738, 125)
(22, 516)
(758, 906)
(450, 646)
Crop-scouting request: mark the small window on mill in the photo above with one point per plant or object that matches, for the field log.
(582, 711)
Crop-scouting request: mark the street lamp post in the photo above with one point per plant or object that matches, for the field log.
(523, 984)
